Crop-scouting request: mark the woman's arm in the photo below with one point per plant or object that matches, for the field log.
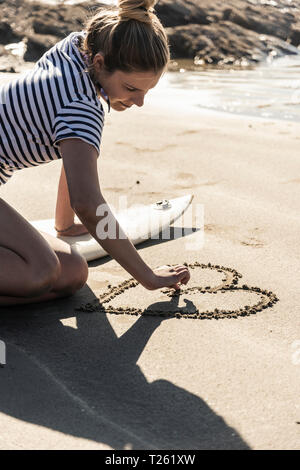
(80, 163)
(64, 214)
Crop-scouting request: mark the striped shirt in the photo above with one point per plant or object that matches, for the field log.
(56, 100)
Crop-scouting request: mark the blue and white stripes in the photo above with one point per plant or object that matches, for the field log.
(54, 101)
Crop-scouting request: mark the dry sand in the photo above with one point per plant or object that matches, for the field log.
(95, 380)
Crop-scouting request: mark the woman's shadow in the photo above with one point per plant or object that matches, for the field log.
(76, 376)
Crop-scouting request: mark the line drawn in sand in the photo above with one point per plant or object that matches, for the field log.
(171, 308)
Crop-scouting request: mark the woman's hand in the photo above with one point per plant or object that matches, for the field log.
(74, 231)
(169, 276)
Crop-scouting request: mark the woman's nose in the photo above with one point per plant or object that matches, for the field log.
(139, 100)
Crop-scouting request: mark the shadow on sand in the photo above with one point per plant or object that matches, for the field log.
(85, 382)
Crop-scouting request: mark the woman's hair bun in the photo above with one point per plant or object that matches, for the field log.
(130, 37)
(139, 10)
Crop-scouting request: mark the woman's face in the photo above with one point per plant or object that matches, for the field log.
(124, 89)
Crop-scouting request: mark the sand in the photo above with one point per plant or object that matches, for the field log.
(198, 376)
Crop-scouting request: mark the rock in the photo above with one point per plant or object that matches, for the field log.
(235, 38)
(223, 45)
(295, 37)
(274, 24)
(208, 43)
(7, 34)
(43, 27)
(183, 40)
(181, 12)
(37, 45)
(59, 22)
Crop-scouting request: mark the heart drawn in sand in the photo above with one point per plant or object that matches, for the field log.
(193, 297)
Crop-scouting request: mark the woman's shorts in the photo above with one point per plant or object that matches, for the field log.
(5, 174)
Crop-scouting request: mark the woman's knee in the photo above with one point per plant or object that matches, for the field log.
(74, 274)
(63, 273)
(80, 272)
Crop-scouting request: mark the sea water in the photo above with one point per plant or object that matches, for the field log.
(267, 91)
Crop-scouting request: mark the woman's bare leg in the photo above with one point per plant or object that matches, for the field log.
(35, 267)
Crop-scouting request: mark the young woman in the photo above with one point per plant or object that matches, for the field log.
(53, 112)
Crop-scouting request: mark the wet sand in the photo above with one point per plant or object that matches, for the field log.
(216, 367)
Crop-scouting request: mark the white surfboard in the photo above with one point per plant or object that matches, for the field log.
(139, 222)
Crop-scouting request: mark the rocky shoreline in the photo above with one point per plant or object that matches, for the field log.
(222, 33)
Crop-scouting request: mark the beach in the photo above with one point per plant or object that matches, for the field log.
(79, 379)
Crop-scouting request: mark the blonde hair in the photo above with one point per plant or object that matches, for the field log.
(130, 37)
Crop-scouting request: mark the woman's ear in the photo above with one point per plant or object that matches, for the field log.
(98, 61)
